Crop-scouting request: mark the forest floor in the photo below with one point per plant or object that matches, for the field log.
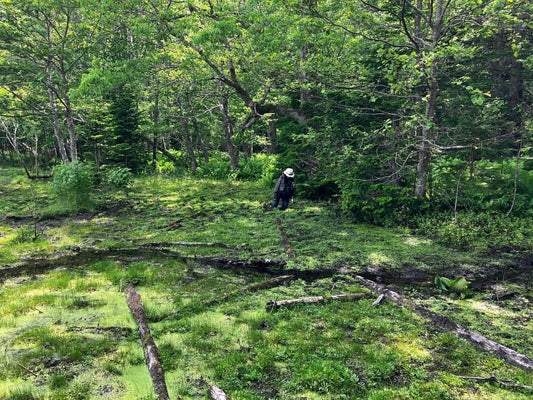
(195, 251)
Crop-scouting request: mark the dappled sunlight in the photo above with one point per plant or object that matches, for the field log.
(103, 221)
(314, 209)
(411, 348)
(491, 310)
(416, 241)
(378, 258)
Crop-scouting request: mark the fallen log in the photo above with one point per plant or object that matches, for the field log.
(285, 240)
(315, 299)
(216, 393)
(219, 244)
(480, 342)
(151, 354)
(503, 382)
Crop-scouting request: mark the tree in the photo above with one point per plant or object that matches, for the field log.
(46, 45)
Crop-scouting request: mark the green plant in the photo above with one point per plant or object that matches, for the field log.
(119, 177)
(458, 285)
(218, 168)
(73, 182)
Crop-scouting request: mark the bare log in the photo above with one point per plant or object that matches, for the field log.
(219, 244)
(503, 382)
(151, 354)
(315, 299)
(216, 393)
(285, 240)
(477, 340)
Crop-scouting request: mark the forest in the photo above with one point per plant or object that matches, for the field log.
(140, 142)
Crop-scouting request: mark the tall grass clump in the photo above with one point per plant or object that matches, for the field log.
(73, 183)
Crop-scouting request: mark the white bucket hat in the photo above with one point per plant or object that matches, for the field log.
(289, 172)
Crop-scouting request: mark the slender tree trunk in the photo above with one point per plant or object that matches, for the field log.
(201, 143)
(55, 122)
(188, 143)
(273, 136)
(71, 129)
(233, 151)
(428, 131)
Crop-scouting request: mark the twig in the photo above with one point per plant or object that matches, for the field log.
(26, 369)
(378, 300)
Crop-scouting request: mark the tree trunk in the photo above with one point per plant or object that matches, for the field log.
(55, 122)
(233, 151)
(426, 143)
(188, 144)
(273, 136)
(73, 142)
(201, 143)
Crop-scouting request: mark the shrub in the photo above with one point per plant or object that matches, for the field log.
(73, 182)
(259, 167)
(218, 168)
(382, 204)
(119, 178)
(482, 231)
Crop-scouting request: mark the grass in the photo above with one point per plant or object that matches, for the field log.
(67, 333)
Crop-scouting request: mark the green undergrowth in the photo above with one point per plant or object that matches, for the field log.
(68, 333)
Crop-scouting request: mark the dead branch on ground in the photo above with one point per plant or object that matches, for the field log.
(216, 393)
(503, 382)
(315, 299)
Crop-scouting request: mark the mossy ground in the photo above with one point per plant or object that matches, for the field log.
(67, 333)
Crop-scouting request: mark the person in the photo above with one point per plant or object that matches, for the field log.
(285, 189)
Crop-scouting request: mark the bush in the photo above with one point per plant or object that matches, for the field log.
(73, 182)
(482, 231)
(260, 167)
(218, 168)
(382, 204)
(119, 178)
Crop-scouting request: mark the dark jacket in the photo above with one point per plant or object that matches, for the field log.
(285, 187)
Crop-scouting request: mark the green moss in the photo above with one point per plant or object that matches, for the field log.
(72, 326)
